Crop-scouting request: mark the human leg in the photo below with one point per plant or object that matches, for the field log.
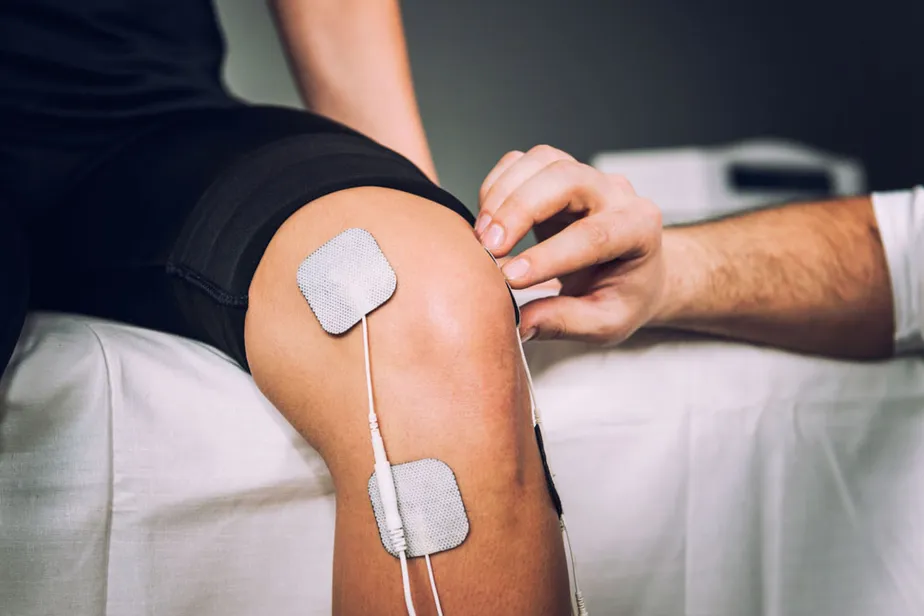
(211, 231)
(448, 384)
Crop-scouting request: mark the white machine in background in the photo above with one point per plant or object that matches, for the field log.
(692, 184)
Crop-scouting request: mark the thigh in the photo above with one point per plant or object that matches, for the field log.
(14, 283)
(167, 233)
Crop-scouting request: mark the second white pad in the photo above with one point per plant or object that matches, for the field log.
(430, 504)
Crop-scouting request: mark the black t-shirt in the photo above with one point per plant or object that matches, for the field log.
(82, 63)
(78, 78)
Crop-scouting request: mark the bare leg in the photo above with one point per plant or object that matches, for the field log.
(448, 384)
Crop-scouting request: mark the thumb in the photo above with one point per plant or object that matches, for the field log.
(561, 317)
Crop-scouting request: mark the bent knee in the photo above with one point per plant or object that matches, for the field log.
(451, 310)
(445, 363)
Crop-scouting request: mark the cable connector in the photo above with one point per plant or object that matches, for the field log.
(386, 481)
(398, 541)
(582, 608)
(578, 595)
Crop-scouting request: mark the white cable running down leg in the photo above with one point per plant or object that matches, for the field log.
(436, 595)
(533, 405)
(373, 418)
(578, 595)
(537, 420)
(386, 481)
(408, 600)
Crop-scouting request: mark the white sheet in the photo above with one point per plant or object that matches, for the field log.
(142, 474)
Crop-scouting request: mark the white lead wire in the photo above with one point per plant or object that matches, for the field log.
(534, 406)
(408, 601)
(373, 418)
(374, 427)
(436, 595)
(537, 420)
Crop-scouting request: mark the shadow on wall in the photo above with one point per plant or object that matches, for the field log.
(589, 76)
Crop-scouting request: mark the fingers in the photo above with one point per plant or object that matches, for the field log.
(564, 185)
(585, 243)
(624, 231)
(585, 218)
(512, 171)
(573, 318)
(502, 165)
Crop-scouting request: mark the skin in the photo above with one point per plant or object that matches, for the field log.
(350, 61)
(809, 277)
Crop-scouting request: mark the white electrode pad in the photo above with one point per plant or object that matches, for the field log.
(430, 505)
(346, 279)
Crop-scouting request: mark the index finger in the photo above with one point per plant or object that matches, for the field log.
(502, 165)
(563, 186)
(616, 233)
(587, 242)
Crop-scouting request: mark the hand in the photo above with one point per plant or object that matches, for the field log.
(595, 234)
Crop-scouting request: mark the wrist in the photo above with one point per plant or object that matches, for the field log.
(687, 267)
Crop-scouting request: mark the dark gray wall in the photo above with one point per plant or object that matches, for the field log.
(586, 76)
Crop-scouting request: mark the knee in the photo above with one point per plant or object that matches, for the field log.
(451, 310)
(444, 351)
(447, 372)
(443, 348)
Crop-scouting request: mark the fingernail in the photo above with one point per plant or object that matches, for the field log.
(516, 269)
(483, 220)
(529, 335)
(493, 237)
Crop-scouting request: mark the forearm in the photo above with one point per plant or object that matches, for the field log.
(350, 61)
(809, 277)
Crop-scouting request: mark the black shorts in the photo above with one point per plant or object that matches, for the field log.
(167, 229)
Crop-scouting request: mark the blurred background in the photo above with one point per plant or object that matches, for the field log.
(602, 75)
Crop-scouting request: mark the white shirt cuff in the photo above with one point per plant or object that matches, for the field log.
(900, 216)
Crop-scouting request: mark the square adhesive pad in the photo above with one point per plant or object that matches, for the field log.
(346, 279)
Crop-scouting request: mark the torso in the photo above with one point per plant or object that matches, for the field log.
(77, 76)
(107, 59)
